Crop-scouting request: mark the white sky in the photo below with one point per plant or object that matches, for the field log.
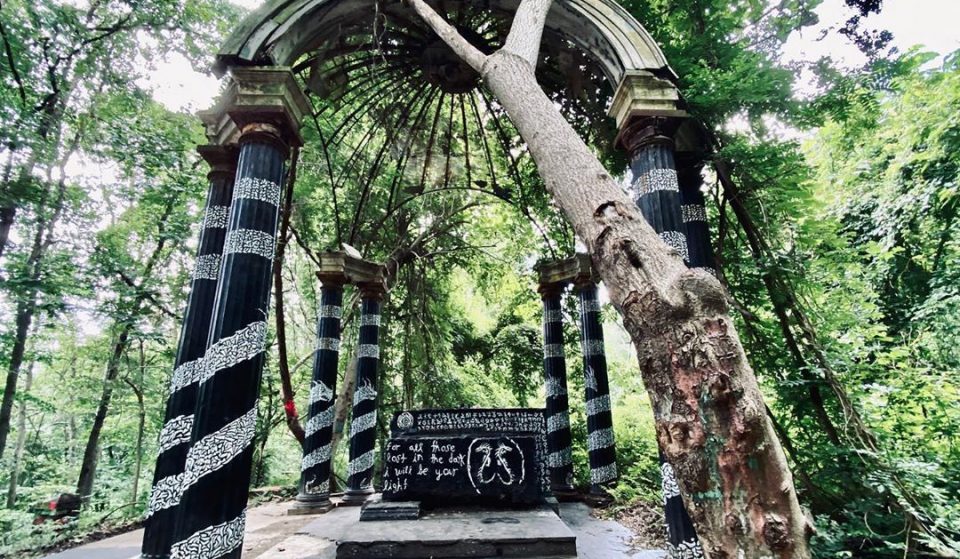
(931, 23)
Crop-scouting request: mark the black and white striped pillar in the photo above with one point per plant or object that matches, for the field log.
(655, 188)
(657, 194)
(694, 212)
(601, 448)
(178, 419)
(314, 495)
(363, 432)
(214, 485)
(560, 458)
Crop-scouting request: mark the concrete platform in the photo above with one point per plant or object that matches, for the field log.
(452, 534)
(271, 534)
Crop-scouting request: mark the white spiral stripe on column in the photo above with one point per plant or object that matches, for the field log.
(319, 392)
(598, 405)
(207, 267)
(244, 344)
(175, 432)
(560, 458)
(552, 315)
(249, 241)
(693, 212)
(370, 351)
(331, 311)
(361, 464)
(590, 379)
(362, 423)
(321, 454)
(208, 455)
(592, 348)
(186, 374)
(214, 541)
(216, 217)
(364, 392)
(591, 305)
(670, 487)
(217, 449)
(558, 422)
(677, 241)
(689, 549)
(165, 494)
(319, 421)
(603, 474)
(554, 388)
(656, 180)
(601, 438)
(552, 350)
(369, 320)
(251, 188)
(329, 344)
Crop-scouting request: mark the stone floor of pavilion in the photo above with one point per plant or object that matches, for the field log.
(272, 533)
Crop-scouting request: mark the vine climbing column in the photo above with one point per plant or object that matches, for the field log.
(559, 458)
(601, 448)
(266, 105)
(364, 421)
(314, 495)
(178, 420)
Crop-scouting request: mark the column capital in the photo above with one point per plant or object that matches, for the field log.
(641, 131)
(547, 290)
(641, 93)
(341, 268)
(373, 289)
(258, 99)
(222, 159)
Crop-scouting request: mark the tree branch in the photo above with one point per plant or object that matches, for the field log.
(469, 53)
(527, 30)
(13, 66)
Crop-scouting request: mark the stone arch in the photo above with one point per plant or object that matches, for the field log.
(282, 30)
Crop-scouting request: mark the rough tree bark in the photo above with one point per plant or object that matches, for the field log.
(708, 408)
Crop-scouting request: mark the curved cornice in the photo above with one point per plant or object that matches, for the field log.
(280, 31)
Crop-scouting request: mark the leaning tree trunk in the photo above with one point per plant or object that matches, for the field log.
(88, 468)
(707, 405)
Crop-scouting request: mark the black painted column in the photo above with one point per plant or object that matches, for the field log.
(217, 475)
(657, 193)
(601, 448)
(655, 188)
(314, 495)
(363, 432)
(559, 459)
(162, 510)
(694, 212)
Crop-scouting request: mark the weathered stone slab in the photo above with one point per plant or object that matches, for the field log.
(463, 457)
(461, 534)
(390, 510)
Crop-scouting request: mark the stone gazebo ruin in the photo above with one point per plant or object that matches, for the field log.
(281, 64)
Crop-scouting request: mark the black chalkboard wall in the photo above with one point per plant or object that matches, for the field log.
(463, 457)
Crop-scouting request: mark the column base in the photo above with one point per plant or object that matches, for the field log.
(598, 496)
(565, 493)
(307, 503)
(355, 497)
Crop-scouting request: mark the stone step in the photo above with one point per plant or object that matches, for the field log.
(453, 534)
